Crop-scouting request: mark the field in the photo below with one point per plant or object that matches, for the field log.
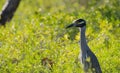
(36, 41)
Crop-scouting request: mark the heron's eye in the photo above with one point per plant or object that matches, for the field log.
(81, 22)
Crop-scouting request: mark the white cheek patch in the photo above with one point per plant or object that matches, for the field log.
(81, 22)
(74, 21)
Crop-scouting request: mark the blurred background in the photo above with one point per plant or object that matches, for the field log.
(36, 41)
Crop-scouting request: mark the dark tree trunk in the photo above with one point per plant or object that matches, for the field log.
(8, 11)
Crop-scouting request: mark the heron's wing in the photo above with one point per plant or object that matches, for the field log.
(8, 11)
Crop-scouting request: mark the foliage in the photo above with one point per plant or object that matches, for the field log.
(36, 40)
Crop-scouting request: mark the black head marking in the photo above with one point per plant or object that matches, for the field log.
(78, 23)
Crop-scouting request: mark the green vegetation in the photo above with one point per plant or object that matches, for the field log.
(36, 41)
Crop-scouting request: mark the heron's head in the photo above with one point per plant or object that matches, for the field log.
(77, 23)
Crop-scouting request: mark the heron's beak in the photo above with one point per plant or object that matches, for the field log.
(71, 25)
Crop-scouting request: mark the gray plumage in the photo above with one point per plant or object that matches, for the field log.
(8, 11)
(87, 57)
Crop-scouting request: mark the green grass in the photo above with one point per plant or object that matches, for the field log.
(37, 32)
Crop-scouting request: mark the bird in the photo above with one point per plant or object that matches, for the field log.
(87, 57)
(8, 11)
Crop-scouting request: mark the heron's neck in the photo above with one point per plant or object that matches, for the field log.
(83, 42)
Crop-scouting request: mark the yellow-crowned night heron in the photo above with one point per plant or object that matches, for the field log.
(87, 57)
